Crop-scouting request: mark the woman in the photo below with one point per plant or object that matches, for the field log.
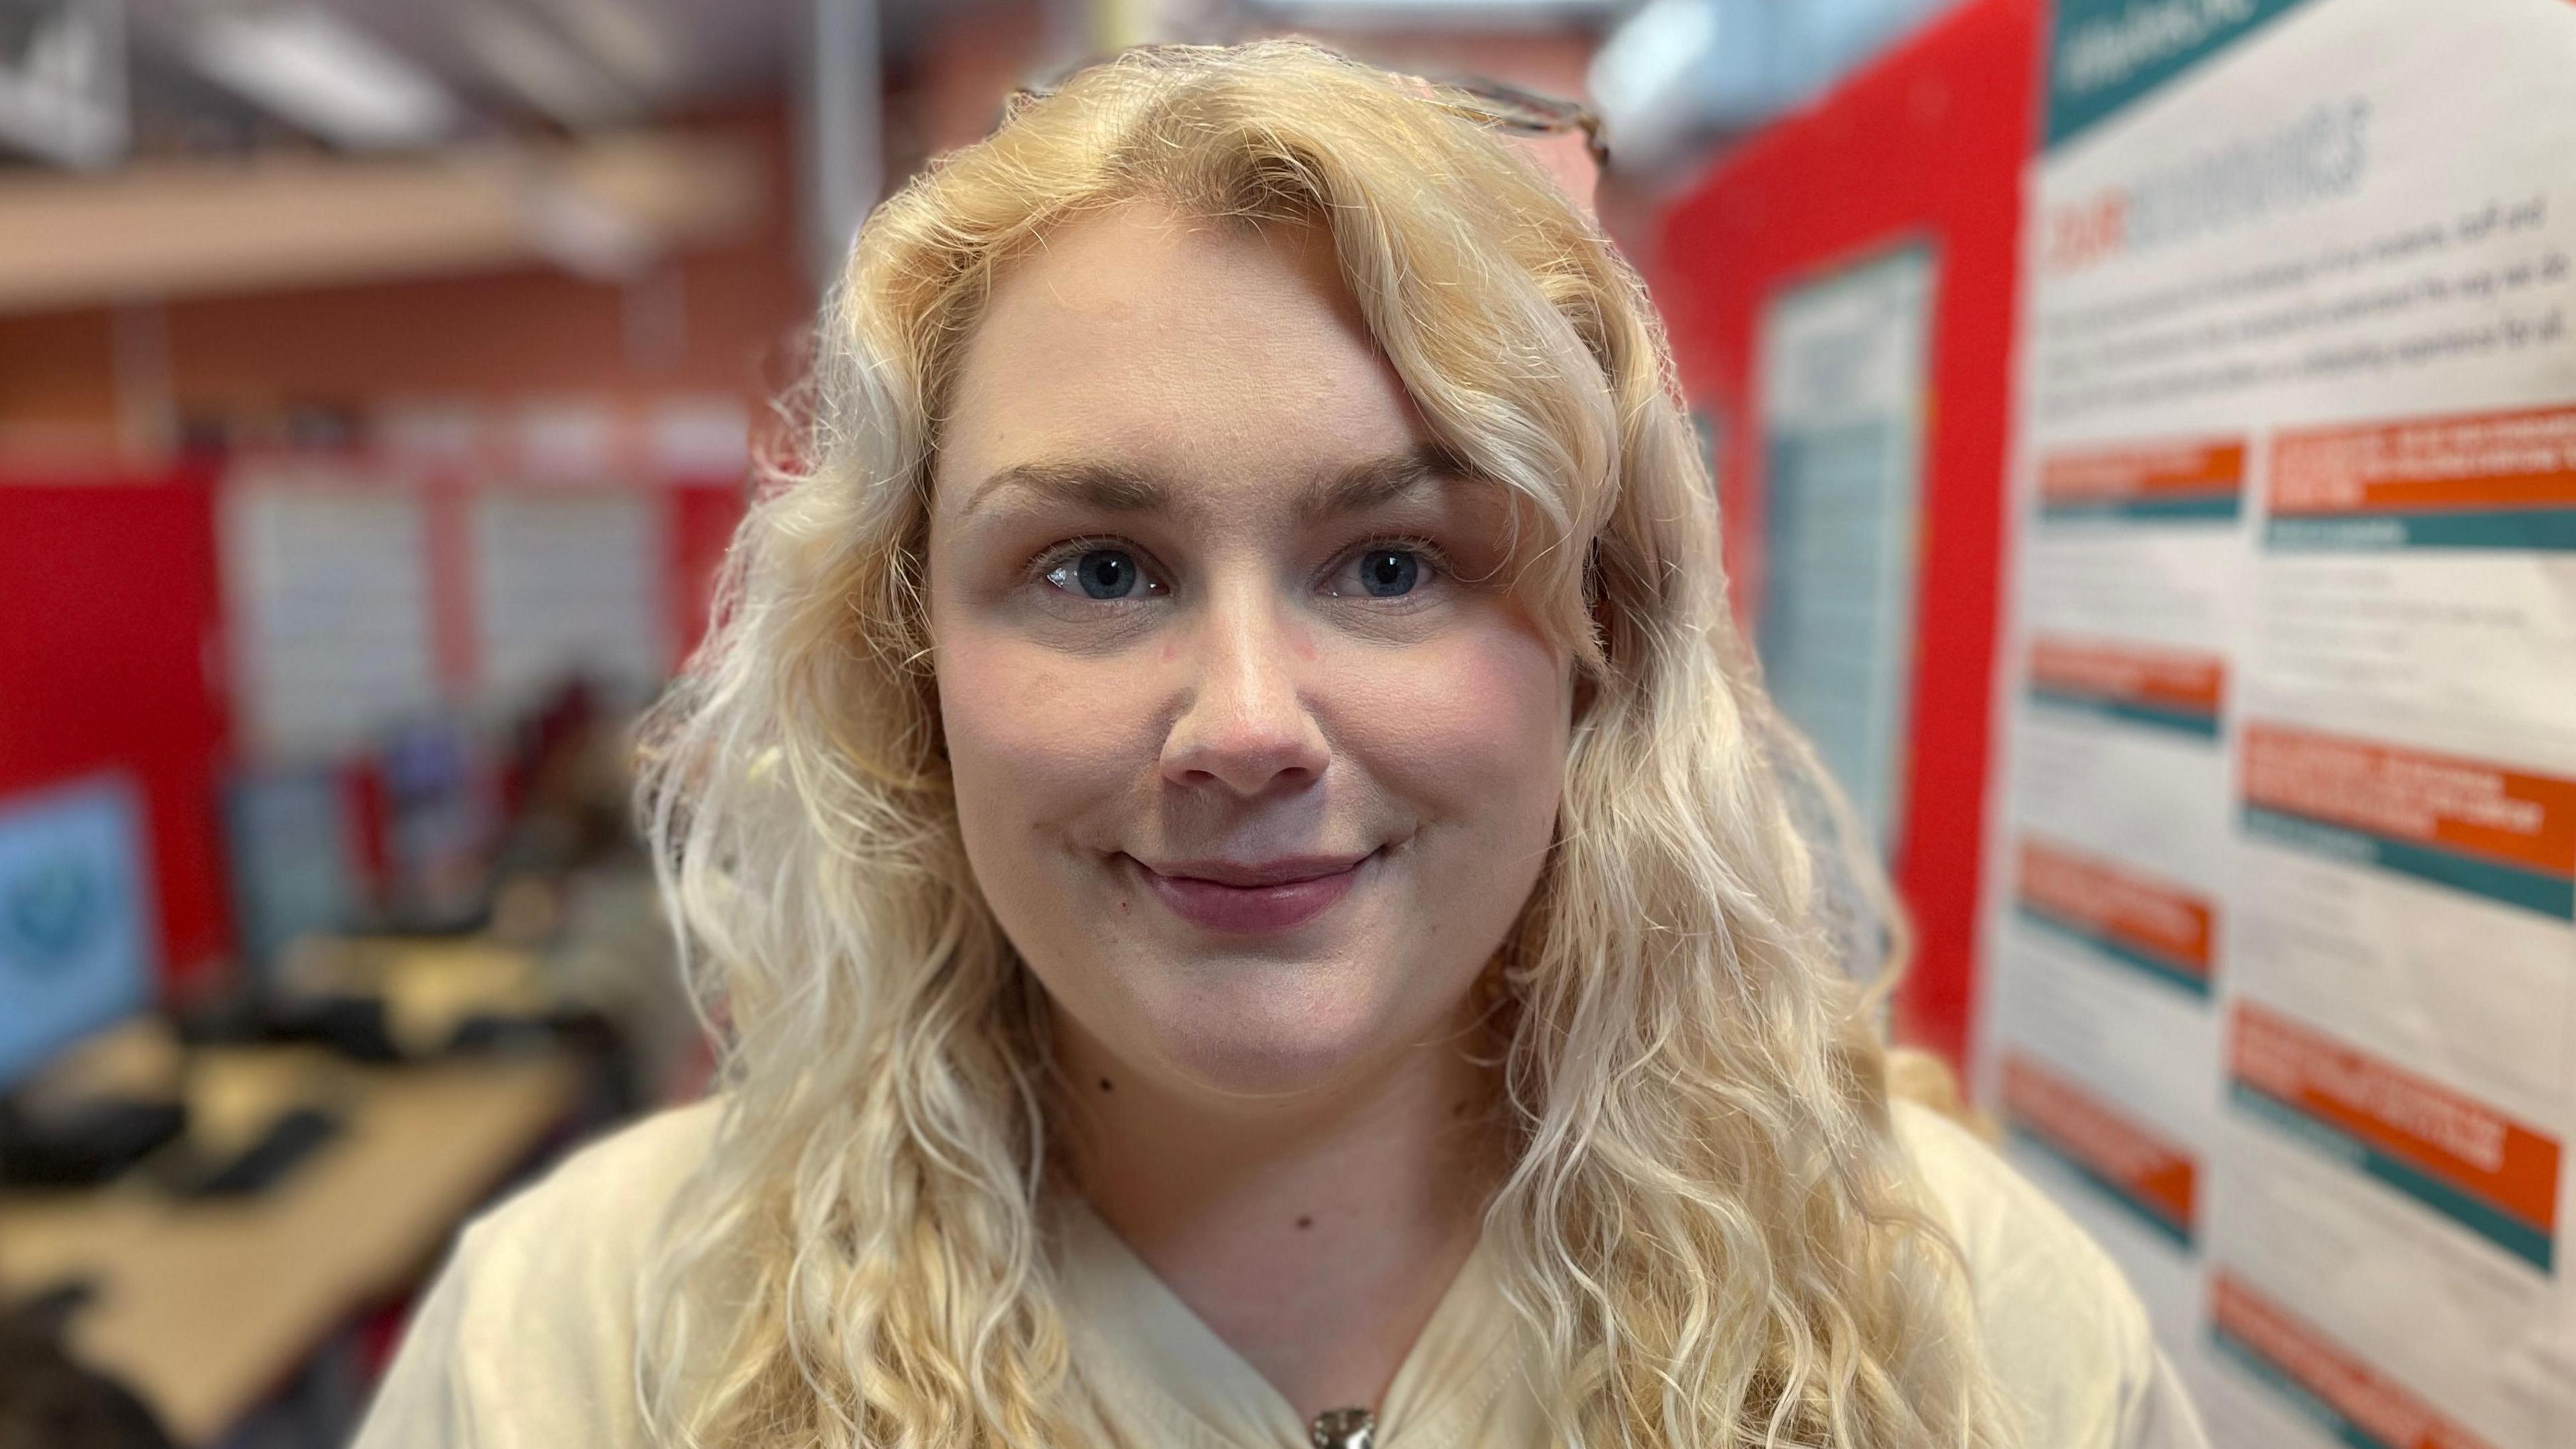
(1239, 859)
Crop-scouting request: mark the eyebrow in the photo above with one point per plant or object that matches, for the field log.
(1111, 487)
(1121, 488)
(1380, 481)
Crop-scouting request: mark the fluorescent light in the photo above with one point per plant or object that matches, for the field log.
(620, 37)
(62, 86)
(315, 70)
(546, 72)
(1649, 77)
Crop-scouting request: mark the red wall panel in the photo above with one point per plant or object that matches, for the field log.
(704, 515)
(111, 656)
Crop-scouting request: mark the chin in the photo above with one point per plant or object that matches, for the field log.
(1283, 1036)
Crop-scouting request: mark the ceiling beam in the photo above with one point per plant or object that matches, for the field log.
(196, 229)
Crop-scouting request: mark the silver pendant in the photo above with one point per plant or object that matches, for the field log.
(1343, 1429)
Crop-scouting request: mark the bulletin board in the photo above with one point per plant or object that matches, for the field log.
(2279, 990)
(112, 649)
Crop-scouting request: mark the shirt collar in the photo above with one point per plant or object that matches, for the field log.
(1138, 1344)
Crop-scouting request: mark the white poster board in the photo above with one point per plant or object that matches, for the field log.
(1843, 399)
(328, 590)
(569, 584)
(2278, 978)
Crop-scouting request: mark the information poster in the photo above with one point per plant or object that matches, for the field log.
(2279, 938)
(569, 584)
(329, 596)
(1843, 402)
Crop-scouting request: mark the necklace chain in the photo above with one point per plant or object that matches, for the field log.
(1343, 1429)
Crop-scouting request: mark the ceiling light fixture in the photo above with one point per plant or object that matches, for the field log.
(541, 68)
(314, 69)
(635, 47)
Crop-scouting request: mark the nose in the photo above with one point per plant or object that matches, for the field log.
(1244, 726)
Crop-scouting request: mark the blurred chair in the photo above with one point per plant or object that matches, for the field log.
(47, 1401)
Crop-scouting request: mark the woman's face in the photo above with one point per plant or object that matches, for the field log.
(1256, 758)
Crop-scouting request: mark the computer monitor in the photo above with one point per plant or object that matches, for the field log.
(77, 926)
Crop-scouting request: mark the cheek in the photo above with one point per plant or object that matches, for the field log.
(1471, 730)
(1037, 743)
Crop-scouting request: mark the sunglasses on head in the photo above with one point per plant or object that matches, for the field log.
(1499, 104)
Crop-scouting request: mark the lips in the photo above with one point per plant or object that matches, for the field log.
(1253, 898)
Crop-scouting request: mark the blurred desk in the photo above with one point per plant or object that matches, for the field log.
(205, 1307)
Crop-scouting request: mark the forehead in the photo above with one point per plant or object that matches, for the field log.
(1186, 347)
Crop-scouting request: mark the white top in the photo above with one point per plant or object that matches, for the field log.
(527, 1338)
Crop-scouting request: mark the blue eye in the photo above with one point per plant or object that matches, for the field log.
(1103, 573)
(1388, 573)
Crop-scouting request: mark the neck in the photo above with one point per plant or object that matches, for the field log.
(1314, 1235)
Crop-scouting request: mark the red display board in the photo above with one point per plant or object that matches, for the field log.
(111, 658)
(1925, 146)
(703, 515)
